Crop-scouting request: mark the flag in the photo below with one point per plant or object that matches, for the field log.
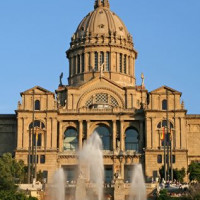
(163, 134)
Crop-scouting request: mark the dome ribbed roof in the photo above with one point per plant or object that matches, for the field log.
(102, 21)
(102, 25)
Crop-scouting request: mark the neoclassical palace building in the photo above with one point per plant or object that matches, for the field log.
(102, 96)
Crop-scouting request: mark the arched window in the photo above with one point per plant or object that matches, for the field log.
(164, 104)
(131, 140)
(164, 124)
(104, 134)
(38, 132)
(164, 134)
(37, 105)
(70, 139)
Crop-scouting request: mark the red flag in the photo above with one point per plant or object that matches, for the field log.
(163, 134)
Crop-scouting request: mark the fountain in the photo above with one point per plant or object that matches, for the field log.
(91, 157)
(57, 192)
(89, 185)
(138, 188)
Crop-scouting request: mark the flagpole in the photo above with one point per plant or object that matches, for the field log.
(167, 136)
(33, 124)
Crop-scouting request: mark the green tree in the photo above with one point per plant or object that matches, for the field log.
(177, 174)
(194, 171)
(11, 172)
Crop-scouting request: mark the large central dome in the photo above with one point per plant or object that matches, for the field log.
(102, 21)
(102, 39)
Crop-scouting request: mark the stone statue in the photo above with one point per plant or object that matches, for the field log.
(101, 69)
(142, 77)
(61, 76)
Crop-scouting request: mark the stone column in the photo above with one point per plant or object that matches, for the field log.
(114, 134)
(121, 135)
(54, 133)
(122, 168)
(48, 134)
(148, 133)
(80, 134)
(86, 62)
(141, 132)
(72, 65)
(19, 135)
(60, 136)
(88, 130)
(26, 133)
(92, 59)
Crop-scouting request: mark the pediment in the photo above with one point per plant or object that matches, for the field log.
(37, 90)
(164, 89)
(101, 81)
(101, 88)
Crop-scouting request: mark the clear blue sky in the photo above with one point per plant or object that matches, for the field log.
(34, 36)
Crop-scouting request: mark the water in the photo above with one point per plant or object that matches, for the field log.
(138, 188)
(91, 156)
(57, 191)
(91, 169)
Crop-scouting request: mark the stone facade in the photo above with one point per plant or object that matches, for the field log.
(102, 96)
(8, 133)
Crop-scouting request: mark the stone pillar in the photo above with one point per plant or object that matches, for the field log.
(60, 137)
(148, 133)
(92, 59)
(26, 133)
(131, 66)
(86, 62)
(114, 134)
(72, 67)
(80, 134)
(183, 134)
(48, 134)
(141, 132)
(88, 130)
(19, 135)
(122, 168)
(54, 133)
(121, 135)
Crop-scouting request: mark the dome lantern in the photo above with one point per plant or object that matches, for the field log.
(100, 3)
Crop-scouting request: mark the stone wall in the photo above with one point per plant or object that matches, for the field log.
(8, 129)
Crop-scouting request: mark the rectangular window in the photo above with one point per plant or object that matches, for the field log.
(120, 62)
(70, 173)
(83, 63)
(96, 61)
(32, 159)
(125, 64)
(74, 65)
(79, 64)
(108, 174)
(128, 173)
(42, 159)
(173, 158)
(108, 61)
(159, 159)
(45, 176)
(89, 61)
